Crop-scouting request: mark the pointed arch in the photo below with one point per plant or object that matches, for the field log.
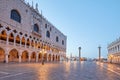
(49, 57)
(38, 44)
(17, 39)
(28, 42)
(11, 37)
(13, 56)
(53, 57)
(25, 56)
(40, 57)
(3, 35)
(32, 43)
(23, 41)
(56, 58)
(45, 57)
(33, 57)
(59, 58)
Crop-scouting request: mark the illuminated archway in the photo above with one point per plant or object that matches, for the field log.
(3, 35)
(17, 39)
(53, 58)
(45, 57)
(49, 57)
(25, 56)
(56, 58)
(28, 42)
(11, 37)
(59, 58)
(23, 41)
(33, 57)
(40, 57)
(13, 56)
(2, 55)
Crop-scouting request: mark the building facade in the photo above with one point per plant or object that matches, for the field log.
(114, 52)
(26, 36)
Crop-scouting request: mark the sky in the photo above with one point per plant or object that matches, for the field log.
(86, 23)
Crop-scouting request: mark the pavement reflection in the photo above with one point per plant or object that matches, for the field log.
(71, 70)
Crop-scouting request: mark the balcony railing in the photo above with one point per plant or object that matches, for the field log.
(17, 44)
(11, 43)
(27, 46)
(22, 45)
(3, 42)
(37, 34)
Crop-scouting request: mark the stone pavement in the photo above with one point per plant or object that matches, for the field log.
(60, 71)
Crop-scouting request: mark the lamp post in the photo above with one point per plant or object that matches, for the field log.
(99, 51)
(79, 53)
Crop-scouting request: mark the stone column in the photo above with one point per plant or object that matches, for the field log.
(54, 57)
(42, 56)
(61, 58)
(25, 43)
(19, 58)
(36, 57)
(6, 58)
(15, 41)
(47, 57)
(7, 39)
(99, 48)
(51, 58)
(20, 42)
(29, 58)
(34, 44)
(79, 53)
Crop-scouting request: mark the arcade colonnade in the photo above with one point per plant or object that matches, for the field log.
(16, 46)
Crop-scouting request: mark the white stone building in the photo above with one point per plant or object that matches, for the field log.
(26, 36)
(114, 52)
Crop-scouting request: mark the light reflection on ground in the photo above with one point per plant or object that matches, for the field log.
(70, 70)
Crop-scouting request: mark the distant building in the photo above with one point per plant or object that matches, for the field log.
(26, 36)
(114, 52)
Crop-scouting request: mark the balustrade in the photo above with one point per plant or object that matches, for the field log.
(3, 42)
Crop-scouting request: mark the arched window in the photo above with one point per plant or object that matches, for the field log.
(36, 28)
(62, 42)
(57, 39)
(48, 34)
(45, 25)
(15, 16)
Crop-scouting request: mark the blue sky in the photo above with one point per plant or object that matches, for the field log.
(86, 23)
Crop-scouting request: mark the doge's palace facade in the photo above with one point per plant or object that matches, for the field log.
(26, 36)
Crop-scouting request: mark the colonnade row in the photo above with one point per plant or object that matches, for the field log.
(114, 58)
(32, 46)
(12, 37)
(15, 55)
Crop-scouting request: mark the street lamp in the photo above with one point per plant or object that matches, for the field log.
(99, 51)
(79, 53)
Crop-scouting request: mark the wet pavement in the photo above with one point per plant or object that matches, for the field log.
(60, 71)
